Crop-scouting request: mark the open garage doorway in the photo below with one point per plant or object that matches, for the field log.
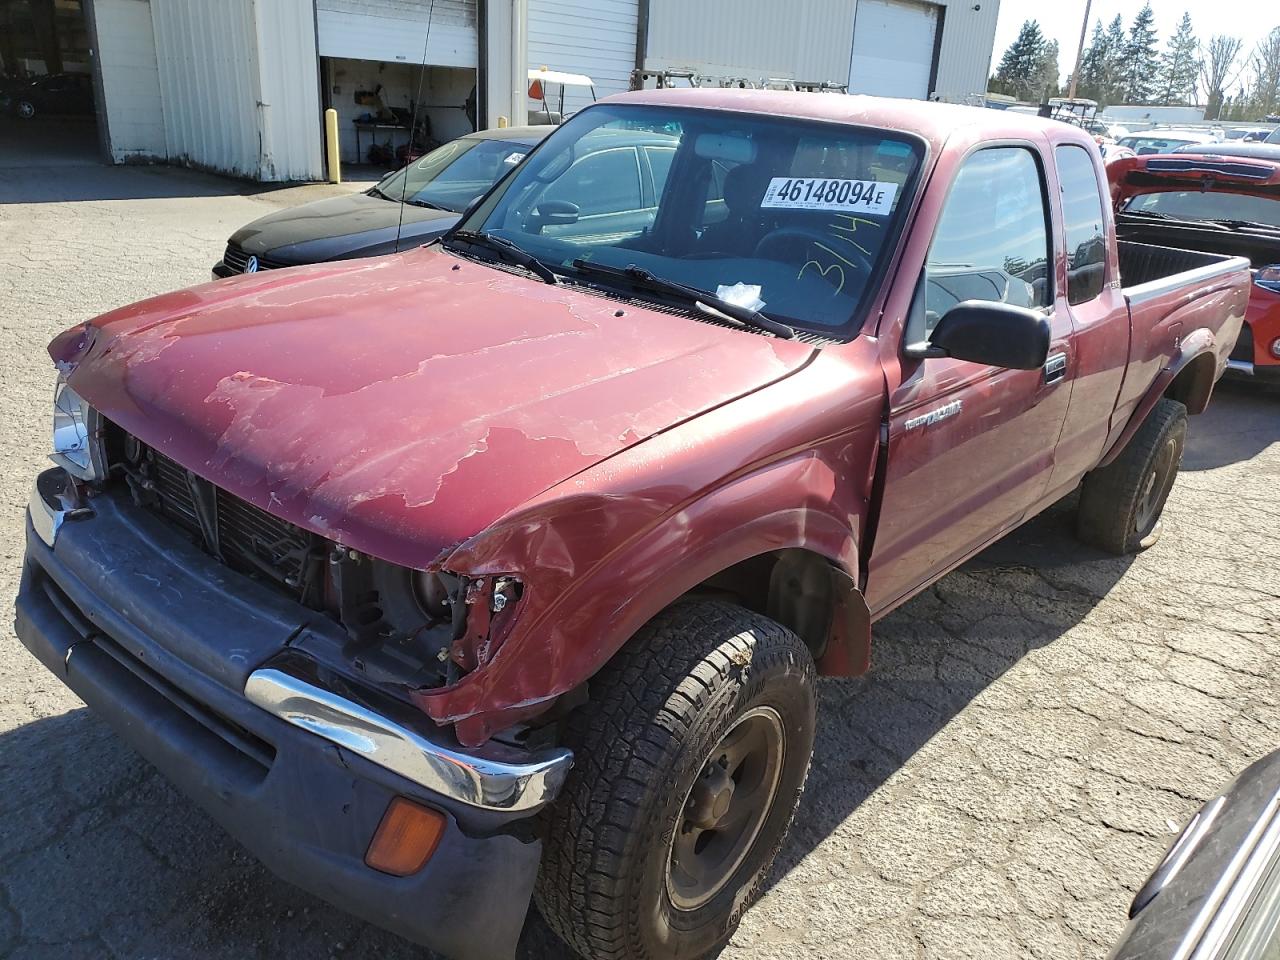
(48, 97)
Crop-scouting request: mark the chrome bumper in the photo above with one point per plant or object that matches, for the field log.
(493, 777)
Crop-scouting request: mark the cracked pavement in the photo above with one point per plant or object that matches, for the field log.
(1034, 730)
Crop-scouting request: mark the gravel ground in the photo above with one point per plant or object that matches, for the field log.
(1033, 731)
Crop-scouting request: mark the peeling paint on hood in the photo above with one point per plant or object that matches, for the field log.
(403, 404)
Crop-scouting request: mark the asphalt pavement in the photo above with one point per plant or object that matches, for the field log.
(1034, 730)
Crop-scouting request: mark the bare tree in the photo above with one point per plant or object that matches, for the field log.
(1265, 67)
(1218, 70)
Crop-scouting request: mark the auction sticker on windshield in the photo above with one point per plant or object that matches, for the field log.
(820, 193)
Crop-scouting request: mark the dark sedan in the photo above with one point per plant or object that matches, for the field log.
(436, 189)
(58, 93)
(1216, 893)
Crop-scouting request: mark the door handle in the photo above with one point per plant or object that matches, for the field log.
(1055, 368)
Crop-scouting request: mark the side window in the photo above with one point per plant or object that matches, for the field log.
(1082, 219)
(992, 241)
(660, 164)
(608, 182)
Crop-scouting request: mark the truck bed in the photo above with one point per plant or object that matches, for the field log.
(1147, 269)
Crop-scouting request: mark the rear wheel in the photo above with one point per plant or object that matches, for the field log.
(1121, 503)
(688, 765)
(26, 109)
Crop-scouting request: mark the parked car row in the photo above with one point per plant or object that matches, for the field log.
(503, 567)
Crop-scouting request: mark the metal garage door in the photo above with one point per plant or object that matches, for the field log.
(893, 43)
(595, 37)
(394, 30)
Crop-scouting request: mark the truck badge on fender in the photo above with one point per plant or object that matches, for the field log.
(933, 416)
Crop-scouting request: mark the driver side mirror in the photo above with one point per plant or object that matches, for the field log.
(555, 213)
(982, 331)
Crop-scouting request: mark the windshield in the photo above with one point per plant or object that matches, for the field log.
(1145, 145)
(797, 214)
(1211, 205)
(450, 177)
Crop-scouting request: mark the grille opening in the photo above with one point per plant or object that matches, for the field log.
(246, 538)
(398, 631)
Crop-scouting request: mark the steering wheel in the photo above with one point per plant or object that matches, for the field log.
(791, 245)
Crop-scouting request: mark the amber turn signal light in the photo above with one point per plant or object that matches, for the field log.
(405, 839)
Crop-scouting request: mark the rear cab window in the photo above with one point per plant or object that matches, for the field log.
(1082, 218)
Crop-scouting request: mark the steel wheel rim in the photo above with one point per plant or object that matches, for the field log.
(725, 808)
(1155, 487)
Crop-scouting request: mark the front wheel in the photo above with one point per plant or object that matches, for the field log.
(1121, 503)
(688, 765)
(26, 109)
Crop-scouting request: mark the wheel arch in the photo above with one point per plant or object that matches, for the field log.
(1189, 378)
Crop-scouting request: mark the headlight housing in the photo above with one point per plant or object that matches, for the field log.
(77, 440)
(1268, 277)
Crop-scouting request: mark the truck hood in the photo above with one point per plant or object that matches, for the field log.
(401, 405)
(340, 227)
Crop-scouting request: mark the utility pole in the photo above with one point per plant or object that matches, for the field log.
(1075, 74)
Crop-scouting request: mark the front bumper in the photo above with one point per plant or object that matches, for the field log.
(161, 641)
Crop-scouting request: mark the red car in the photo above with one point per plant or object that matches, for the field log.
(504, 568)
(1218, 204)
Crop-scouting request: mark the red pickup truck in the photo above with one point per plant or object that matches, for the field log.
(503, 568)
(1221, 204)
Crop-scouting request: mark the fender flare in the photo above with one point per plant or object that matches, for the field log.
(1198, 344)
(581, 630)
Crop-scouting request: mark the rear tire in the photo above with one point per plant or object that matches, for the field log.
(688, 765)
(1121, 503)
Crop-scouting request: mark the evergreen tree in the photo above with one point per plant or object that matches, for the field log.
(1021, 70)
(1142, 62)
(1102, 66)
(1180, 66)
(1048, 71)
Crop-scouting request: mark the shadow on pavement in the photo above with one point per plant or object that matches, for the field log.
(938, 652)
(1243, 419)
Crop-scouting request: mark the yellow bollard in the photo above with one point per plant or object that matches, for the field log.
(502, 121)
(331, 145)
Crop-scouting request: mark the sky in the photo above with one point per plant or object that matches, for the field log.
(1060, 20)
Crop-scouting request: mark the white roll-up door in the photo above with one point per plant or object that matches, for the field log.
(396, 30)
(893, 45)
(595, 37)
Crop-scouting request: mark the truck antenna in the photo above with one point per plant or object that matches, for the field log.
(413, 125)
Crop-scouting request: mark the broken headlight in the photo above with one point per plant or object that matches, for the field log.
(77, 439)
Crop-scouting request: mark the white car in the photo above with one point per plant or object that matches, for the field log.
(1164, 141)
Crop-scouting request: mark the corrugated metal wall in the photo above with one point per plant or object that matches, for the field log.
(289, 113)
(806, 40)
(802, 40)
(964, 56)
(226, 107)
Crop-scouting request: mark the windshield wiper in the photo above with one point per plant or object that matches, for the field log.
(429, 205)
(701, 299)
(1251, 224)
(517, 255)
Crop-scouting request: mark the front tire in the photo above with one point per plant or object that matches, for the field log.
(688, 765)
(1121, 503)
(26, 109)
